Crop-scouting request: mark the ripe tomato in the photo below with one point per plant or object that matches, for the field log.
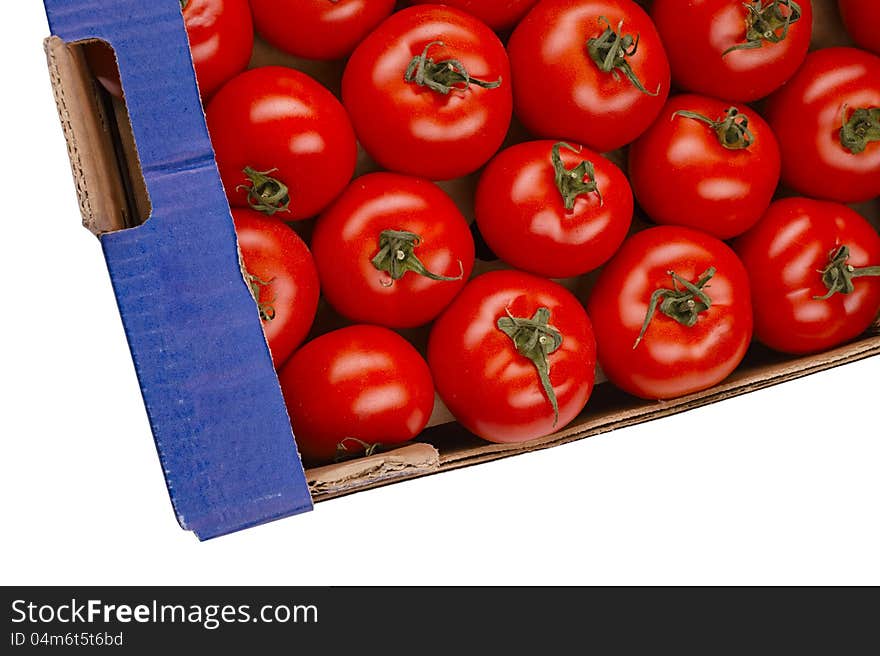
(734, 50)
(827, 120)
(392, 250)
(283, 142)
(318, 29)
(672, 313)
(284, 282)
(221, 38)
(593, 71)
(513, 357)
(860, 18)
(705, 164)
(552, 208)
(356, 389)
(498, 14)
(815, 272)
(429, 93)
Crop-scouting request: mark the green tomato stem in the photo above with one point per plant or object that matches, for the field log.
(763, 23)
(610, 50)
(575, 182)
(732, 129)
(443, 76)
(683, 303)
(838, 276)
(535, 339)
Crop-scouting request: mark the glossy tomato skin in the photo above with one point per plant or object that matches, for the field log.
(413, 129)
(522, 216)
(671, 360)
(318, 29)
(355, 386)
(500, 15)
(682, 175)
(785, 254)
(347, 239)
(490, 388)
(283, 272)
(697, 33)
(221, 38)
(280, 120)
(860, 18)
(560, 93)
(807, 114)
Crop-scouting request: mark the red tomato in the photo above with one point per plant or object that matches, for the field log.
(672, 313)
(283, 142)
(221, 38)
(552, 208)
(392, 250)
(282, 277)
(705, 164)
(860, 18)
(815, 271)
(827, 121)
(356, 389)
(513, 357)
(318, 29)
(497, 14)
(734, 50)
(593, 71)
(429, 93)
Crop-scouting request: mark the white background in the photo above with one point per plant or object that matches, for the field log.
(777, 487)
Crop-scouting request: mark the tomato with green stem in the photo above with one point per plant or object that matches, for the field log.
(705, 164)
(355, 390)
(827, 121)
(318, 29)
(672, 313)
(283, 143)
(282, 277)
(513, 357)
(815, 272)
(738, 51)
(590, 71)
(553, 208)
(392, 250)
(429, 93)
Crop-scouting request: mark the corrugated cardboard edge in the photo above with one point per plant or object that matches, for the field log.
(406, 462)
(93, 162)
(335, 481)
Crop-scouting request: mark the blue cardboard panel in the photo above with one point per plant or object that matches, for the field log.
(216, 410)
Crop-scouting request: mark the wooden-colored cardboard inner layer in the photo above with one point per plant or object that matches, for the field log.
(113, 197)
(106, 170)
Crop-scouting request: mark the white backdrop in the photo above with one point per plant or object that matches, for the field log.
(777, 487)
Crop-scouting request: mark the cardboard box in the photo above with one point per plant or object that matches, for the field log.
(149, 188)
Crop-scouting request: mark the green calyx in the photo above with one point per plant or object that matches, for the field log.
(443, 76)
(683, 303)
(839, 274)
(352, 447)
(610, 50)
(575, 182)
(183, 4)
(535, 339)
(764, 22)
(397, 255)
(267, 310)
(862, 128)
(264, 193)
(732, 129)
